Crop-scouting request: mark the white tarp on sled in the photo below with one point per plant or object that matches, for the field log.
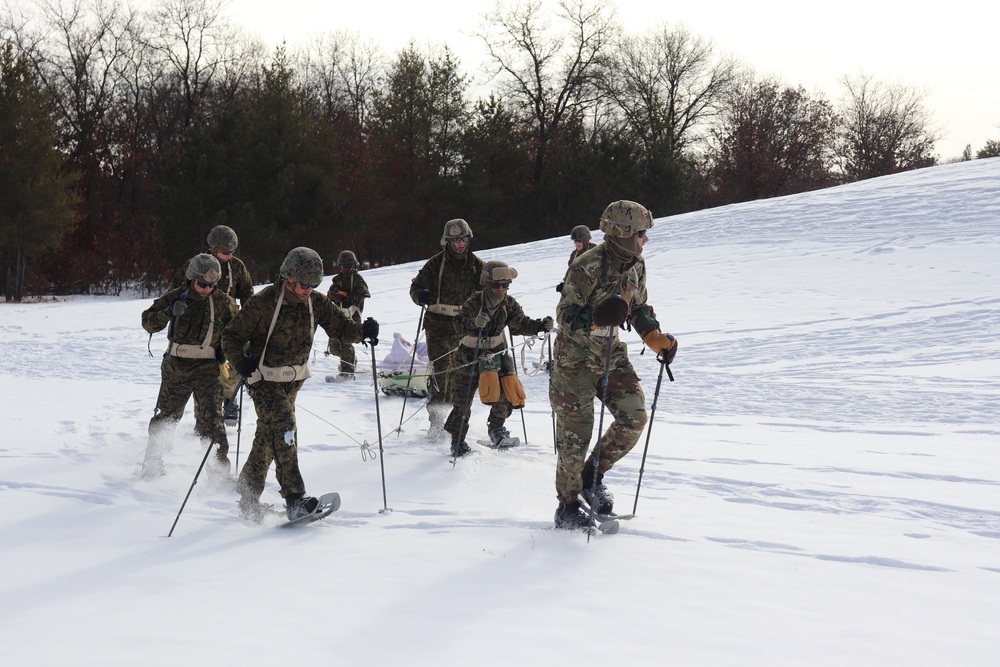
(394, 375)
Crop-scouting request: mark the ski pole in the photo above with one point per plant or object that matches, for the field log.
(239, 430)
(378, 421)
(524, 427)
(203, 460)
(649, 429)
(409, 376)
(600, 423)
(468, 392)
(548, 340)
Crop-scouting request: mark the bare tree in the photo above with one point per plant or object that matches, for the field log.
(344, 71)
(550, 74)
(772, 140)
(666, 83)
(884, 129)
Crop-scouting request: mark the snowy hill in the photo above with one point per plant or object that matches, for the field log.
(822, 485)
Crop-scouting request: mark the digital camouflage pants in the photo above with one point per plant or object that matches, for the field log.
(345, 350)
(441, 340)
(179, 380)
(275, 440)
(576, 381)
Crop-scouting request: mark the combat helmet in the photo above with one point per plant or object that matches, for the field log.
(625, 218)
(495, 271)
(204, 267)
(303, 265)
(455, 229)
(223, 238)
(580, 233)
(347, 260)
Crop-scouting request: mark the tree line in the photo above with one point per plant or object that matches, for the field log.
(126, 135)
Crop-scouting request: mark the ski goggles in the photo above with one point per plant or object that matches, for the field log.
(305, 286)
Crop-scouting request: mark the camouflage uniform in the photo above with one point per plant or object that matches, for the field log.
(508, 314)
(182, 377)
(355, 291)
(289, 345)
(580, 354)
(450, 282)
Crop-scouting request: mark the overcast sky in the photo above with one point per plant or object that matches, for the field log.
(946, 52)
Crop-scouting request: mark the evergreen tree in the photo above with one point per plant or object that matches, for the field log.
(37, 204)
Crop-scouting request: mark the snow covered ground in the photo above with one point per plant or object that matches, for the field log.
(822, 484)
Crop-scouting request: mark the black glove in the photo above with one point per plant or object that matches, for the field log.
(246, 366)
(560, 286)
(178, 308)
(369, 330)
(548, 324)
(424, 297)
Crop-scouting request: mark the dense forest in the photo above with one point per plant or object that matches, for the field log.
(126, 135)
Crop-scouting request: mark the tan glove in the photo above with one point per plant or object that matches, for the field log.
(661, 343)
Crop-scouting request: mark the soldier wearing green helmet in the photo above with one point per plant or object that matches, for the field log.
(610, 277)
(348, 290)
(235, 280)
(194, 315)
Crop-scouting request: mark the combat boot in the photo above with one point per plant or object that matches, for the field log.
(459, 447)
(596, 494)
(570, 516)
(298, 505)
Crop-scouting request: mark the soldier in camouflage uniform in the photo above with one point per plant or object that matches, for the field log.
(279, 324)
(196, 314)
(484, 317)
(581, 239)
(442, 285)
(612, 270)
(235, 281)
(349, 291)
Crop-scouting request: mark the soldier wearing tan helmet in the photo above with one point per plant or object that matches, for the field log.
(483, 321)
(610, 278)
(194, 316)
(442, 285)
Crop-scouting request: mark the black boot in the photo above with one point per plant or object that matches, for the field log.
(298, 505)
(596, 494)
(570, 516)
(458, 446)
(499, 436)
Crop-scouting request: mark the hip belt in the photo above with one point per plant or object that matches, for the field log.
(279, 373)
(444, 309)
(192, 351)
(488, 342)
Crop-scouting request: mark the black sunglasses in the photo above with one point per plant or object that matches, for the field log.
(202, 284)
(306, 285)
(641, 233)
(499, 285)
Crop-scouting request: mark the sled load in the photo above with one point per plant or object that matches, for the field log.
(394, 376)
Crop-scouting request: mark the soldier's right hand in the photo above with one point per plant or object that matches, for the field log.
(179, 307)
(481, 320)
(246, 366)
(560, 286)
(424, 297)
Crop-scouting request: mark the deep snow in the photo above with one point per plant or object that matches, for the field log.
(822, 484)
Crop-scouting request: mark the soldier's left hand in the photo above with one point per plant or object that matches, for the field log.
(548, 324)
(661, 343)
(369, 330)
